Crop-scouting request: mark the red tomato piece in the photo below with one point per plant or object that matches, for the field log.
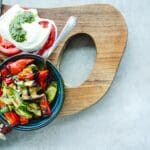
(42, 78)
(7, 48)
(12, 118)
(51, 38)
(49, 42)
(44, 105)
(7, 44)
(19, 65)
(9, 51)
(9, 64)
(24, 120)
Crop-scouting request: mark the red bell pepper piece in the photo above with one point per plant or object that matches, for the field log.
(12, 118)
(19, 65)
(24, 120)
(42, 78)
(45, 107)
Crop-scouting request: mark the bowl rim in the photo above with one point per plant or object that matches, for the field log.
(46, 120)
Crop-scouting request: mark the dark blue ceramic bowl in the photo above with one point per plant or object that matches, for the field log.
(57, 103)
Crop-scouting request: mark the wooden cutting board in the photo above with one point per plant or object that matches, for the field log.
(107, 27)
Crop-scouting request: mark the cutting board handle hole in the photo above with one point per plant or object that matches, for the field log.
(77, 59)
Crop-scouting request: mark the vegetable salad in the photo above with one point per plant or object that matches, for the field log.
(26, 92)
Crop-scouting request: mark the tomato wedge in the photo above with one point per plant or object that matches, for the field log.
(19, 65)
(42, 78)
(45, 108)
(49, 42)
(12, 118)
(24, 120)
(7, 48)
(9, 51)
(7, 44)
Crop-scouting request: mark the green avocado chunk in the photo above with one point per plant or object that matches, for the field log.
(51, 91)
(22, 111)
(35, 109)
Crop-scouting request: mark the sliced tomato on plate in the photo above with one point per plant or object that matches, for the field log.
(7, 48)
(50, 40)
(7, 44)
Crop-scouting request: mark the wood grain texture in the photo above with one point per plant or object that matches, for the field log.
(108, 30)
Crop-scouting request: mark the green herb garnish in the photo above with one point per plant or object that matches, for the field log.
(15, 27)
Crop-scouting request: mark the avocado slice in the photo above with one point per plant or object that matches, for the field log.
(35, 109)
(51, 91)
(22, 111)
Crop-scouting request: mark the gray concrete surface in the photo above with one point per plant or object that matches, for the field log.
(121, 121)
